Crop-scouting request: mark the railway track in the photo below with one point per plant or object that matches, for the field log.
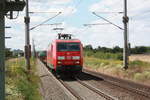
(74, 93)
(91, 88)
(127, 85)
(101, 93)
(88, 86)
(138, 91)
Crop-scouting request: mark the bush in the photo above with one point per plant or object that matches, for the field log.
(102, 55)
(28, 88)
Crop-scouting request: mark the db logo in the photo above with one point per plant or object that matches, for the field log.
(68, 57)
(68, 53)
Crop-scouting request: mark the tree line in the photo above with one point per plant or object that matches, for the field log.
(117, 49)
(13, 53)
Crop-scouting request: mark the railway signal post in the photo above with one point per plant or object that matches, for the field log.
(5, 7)
(2, 50)
(126, 49)
(27, 37)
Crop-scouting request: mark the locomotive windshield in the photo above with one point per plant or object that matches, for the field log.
(68, 46)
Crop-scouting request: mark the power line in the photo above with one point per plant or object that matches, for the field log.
(45, 21)
(109, 12)
(107, 20)
(96, 24)
(53, 24)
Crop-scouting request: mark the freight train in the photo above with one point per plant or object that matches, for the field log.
(65, 55)
(42, 56)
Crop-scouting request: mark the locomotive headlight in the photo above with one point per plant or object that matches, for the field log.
(77, 62)
(75, 57)
(61, 57)
(59, 62)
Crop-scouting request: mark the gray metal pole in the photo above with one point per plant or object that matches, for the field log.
(2, 51)
(125, 51)
(27, 37)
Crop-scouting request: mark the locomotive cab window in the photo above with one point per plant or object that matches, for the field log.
(68, 46)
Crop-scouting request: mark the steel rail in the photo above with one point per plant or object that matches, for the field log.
(120, 83)
(73, 92)
(97, 91)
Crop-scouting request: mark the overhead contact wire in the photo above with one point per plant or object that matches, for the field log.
(108, 21)
(45, 21)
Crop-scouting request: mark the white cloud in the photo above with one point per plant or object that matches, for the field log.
(61, 1)
(65, 11)
(107, 5)
(138, 12)
(107, 35)
(17, 31)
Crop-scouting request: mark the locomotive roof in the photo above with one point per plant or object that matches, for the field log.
(67, 40)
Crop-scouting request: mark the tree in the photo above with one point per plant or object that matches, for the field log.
(139, 50)
(88, 47)
(117, 49)
(8, 52)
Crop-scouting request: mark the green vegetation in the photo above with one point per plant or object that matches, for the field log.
(19, 84)
(138, 62)
(103, 55)
(101, 63)
(117, 49)
(110, 61)
(140, 50)
(8, 53)
(13, 53)
(138, 70)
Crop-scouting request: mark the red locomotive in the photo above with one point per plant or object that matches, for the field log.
(65, 55)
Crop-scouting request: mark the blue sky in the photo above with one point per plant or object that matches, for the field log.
(74, 14)
(81, 16)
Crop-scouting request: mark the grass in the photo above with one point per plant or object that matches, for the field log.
(101, 63)
(18, 85)
(102, 55)
(138, 70)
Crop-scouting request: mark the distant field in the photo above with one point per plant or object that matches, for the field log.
(141, 57)
(139, 67)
